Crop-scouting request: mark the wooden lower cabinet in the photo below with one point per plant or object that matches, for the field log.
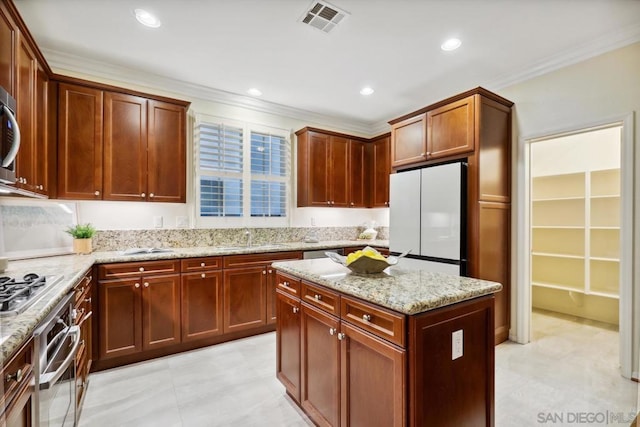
(137, 314)
(201, 305)
(372, 380)
(17, 391)
(320, 366)
(288, 344)
(245, 292)
(83, 316)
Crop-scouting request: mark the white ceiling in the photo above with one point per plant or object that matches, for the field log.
(391, 45)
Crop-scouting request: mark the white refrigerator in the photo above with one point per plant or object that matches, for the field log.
(427, 216)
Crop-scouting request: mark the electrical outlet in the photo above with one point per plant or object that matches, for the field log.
(457, 343)
(157, 221)
(313, 221)
(182, 222)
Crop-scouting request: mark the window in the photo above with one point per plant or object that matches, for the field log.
(242, 170)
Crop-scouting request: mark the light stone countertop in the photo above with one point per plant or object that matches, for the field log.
(404, 290)
(16, 330)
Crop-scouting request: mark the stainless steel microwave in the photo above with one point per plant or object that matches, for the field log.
(9, 138)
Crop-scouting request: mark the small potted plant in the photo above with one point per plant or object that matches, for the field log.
(82, 234)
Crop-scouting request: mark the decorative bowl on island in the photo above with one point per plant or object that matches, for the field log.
(365, 261)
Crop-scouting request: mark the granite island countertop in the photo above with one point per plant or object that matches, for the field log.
(405, 290)
(17, 329)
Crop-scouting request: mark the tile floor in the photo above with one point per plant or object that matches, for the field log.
(569, 371)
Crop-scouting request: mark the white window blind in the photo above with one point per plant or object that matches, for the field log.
(242, 171)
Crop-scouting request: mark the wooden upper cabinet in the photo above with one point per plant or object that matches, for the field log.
(8, 35)
(27, 66)
(125, 147)
(44, 168)
(80, 147)
(166, 152)
(451, 129)
(379, 170)
(358, 175)
(409, 141)
(330, 169)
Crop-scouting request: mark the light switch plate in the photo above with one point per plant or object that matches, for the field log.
(457, 343)
(182, 222)
(157, 221)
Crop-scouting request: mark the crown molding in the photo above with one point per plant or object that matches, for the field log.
(615, 40)
(62, 61)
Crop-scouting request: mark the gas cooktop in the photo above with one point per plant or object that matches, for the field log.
(19, 293)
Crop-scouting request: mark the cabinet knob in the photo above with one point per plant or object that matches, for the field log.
(328, 202)
(333, 202)
(17, 376)
(285, 284)
(146, 284)
(366, 317)
(332, 331)
(88, 300)
(352, 203)
(151, 195)
(295, 310)
(317, 297)
(202, 264)
(428, 153)
(341, 336)
(141, 269)
(203, 275)
(142, 195)
(264, 272)
(97, 193)
(137, 285)
(270, 271)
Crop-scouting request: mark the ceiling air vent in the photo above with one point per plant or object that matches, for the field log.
(323, 16)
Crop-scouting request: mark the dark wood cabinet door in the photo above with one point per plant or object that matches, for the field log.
(19, 410)
(320, 370)
(125, 147)
(244, 298)
(318, 163)
(409, 141)
(379, 170)
(120, 317)
(288, 344)
(271, 296)
(358, 174)
(201, 305)
(27, 66)
(166, 167)
(160, 311)
(8, 34)
(370, 399)
(451, 129)
(79, 142)
(339, 172)
(44, 169)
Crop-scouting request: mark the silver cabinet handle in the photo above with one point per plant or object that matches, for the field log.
(332, 331)
(151, 195)
(352, 203)
(17, 376)
(146, 284)
(317, 297)
(202, 264)
(264, 272)
(366, 317)
(142, 195)
(270, 271)
(295, 310)
(97, 193)
(285, 284)
(137, 285)
(88, 300)
(141, 269)
(203, 275)
(328, 202)
(341, 336)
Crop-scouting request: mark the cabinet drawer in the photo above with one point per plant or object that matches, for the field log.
(83, 286)
(233, 261)
(16, 373)
(132, 269)
(320, 297)
(199, 264)
(383, 323)
(288, 284)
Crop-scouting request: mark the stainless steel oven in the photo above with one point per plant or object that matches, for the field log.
(56, 341)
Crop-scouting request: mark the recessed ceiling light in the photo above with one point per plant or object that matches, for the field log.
(451, 44)
(254, 92)
(366, 91)
(147, 19)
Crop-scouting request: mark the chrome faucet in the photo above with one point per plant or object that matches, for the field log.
(247, 233)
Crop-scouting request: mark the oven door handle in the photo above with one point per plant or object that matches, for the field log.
(47, 380)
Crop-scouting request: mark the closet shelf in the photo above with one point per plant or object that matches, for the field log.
(556, 255)
(558, 199)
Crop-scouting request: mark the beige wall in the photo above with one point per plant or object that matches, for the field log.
(587, 93)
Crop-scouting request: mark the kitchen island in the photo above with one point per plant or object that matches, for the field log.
(403, 347)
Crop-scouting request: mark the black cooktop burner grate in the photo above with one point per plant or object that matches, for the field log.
(13, 292)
